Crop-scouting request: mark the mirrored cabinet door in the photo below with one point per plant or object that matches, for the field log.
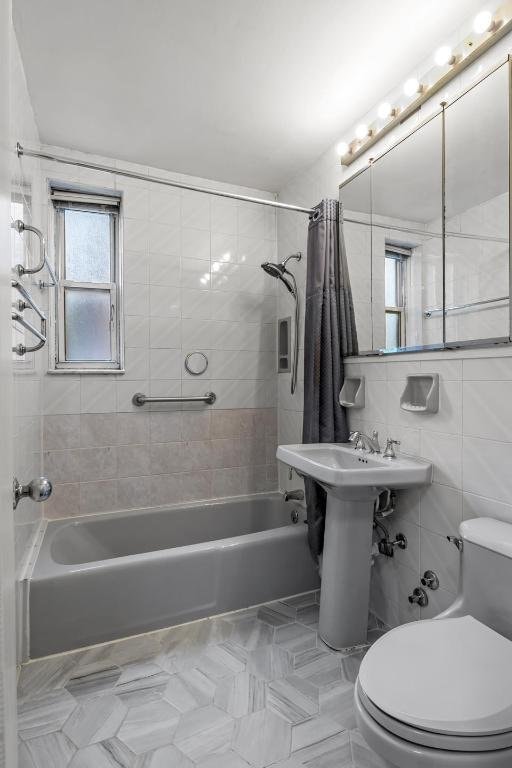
(422, 280)
(407, 254)
(477, 212)
(355, 198)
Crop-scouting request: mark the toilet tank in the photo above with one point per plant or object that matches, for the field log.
(486, 573)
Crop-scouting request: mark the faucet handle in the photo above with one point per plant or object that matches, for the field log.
(389, 452)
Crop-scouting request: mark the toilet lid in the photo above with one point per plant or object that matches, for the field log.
(447, 676)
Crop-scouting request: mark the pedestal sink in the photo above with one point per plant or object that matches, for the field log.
(352, 480)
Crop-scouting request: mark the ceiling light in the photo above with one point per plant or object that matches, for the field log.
(362, 131)
(482, 22)
(342, 148)
(385, 110)
(411, 86)
(444, 56)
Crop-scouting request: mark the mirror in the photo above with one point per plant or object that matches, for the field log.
(418, 282)
(407, 254)
(355, 198)
(477, 212)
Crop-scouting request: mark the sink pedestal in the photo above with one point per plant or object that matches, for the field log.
(345, 592)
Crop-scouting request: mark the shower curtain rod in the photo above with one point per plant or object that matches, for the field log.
(20, 151)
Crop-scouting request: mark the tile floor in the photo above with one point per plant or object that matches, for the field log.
(251, 688)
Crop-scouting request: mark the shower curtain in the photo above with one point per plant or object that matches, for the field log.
(329, 335)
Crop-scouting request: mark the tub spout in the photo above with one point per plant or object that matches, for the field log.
(297, 495)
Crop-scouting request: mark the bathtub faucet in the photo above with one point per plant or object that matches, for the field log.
(297, 495)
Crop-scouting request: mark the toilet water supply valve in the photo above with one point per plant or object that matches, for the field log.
(419, 596)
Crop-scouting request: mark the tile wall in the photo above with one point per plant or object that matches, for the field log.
(469, 440)
(192, 281)
(28, 370)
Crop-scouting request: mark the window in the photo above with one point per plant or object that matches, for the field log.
(88, 296)
(395, 273)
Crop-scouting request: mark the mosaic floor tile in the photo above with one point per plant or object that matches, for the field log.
(331, 752)
(164, 757)
(109, 754)
(252, 633)
(149, 726)
(92, 684)
(312, 731)
(189, 690)
(250, 689)
(269, 663)
(44, 714)
(53, 749)
(204, 732)
(95, 720)
(241, 695)
(262, 738)
(293, 698)
(295, 638)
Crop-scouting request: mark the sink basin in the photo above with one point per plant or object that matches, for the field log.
(352, 480)
(340, 465)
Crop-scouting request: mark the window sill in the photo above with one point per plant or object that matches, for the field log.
(87, 371)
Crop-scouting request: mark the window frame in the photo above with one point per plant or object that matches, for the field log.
(401, 256)
(95, 202)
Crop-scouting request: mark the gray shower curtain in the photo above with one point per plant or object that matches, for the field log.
(329, 335)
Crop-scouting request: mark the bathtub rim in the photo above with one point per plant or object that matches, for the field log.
(45, 567)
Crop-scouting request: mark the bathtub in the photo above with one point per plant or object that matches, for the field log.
(103, 577)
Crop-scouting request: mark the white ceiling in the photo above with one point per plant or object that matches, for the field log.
(244, 91)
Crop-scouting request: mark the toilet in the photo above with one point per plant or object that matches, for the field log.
(438, 693)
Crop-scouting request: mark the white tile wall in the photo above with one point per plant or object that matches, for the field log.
(192, 281)
(28, 371)
(469, 440)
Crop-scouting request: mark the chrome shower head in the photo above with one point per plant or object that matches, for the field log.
(279, 271)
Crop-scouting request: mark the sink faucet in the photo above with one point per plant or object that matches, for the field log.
(363, 442)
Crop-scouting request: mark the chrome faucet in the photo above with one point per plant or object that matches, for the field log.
(297, 495)
(363, 442)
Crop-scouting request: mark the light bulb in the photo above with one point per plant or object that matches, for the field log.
(443, 56)
(342, 148)
(385, 109)
(482, 22)
(362, 131)
(411, 86)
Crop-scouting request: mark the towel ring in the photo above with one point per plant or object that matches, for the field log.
(200, 367)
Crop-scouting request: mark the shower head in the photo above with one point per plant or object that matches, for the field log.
(279, 271)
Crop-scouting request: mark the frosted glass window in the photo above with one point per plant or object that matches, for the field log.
(392, 330)
(88, 243)
(87, 324)
(392, 299)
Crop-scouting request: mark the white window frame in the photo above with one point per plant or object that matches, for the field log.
(401, 255)
(62, 199)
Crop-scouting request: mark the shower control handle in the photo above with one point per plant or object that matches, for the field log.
(39, 489)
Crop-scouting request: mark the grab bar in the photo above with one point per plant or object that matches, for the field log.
(438, 310)
(21, 349)
(28, 300)
(20, 227)
(141, 399)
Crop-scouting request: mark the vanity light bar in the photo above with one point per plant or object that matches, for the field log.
(487, 26)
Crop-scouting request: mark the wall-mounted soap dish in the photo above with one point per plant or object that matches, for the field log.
(421, 393)
(352, 392)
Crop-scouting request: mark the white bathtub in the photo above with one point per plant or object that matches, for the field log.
(102, 577)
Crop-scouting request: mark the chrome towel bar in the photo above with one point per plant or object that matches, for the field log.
(28, 300)
(141, 399)
(21, 227)
(21, 349)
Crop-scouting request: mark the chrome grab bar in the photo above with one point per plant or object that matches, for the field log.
(438, 310)
(28, 300)
(21, 349)
(140, 399)
(21, 227)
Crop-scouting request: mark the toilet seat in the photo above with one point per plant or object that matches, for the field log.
(444, 683)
